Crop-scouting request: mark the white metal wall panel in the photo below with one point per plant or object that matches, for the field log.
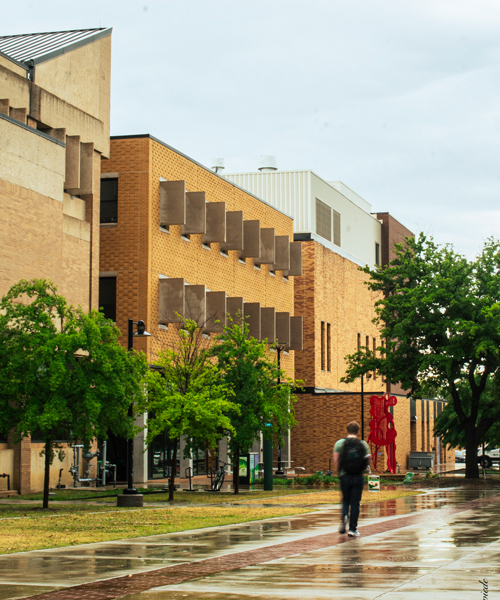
(295, 193)
(288, 191)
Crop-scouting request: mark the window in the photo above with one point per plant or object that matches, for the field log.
(359, 341)
(374, 354)
(336, 228)
(322, 345)
(107, 297)
(323, 220)
(328, 347)
(367, 340)
(377, 253)
(109, 200)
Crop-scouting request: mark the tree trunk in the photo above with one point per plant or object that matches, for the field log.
(236, 471)
(173, 470)
(46, 478)
(471, 464)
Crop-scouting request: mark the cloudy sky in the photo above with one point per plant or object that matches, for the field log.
(398, 99)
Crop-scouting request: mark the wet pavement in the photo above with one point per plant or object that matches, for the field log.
(441, 545)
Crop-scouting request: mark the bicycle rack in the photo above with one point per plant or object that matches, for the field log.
(188, 472)
(211, 472)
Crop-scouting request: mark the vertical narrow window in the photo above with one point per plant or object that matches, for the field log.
(107, 297)
(109, 200)
(367, 340)
(328, 347)
(377, 253)
(323, 220)
(322, 345)
(374, 354)
(336, 228)
(359, 341)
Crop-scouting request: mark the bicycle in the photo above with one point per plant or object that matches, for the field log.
(219, 478)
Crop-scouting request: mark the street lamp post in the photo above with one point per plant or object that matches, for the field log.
(279, 350)
(268, 444)
(130, 497)
(368, 376)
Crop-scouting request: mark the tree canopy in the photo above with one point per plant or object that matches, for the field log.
(262, 391)
(439, 315)
(188, 397)
(62, 371)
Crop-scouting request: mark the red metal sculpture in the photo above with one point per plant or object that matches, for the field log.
(382, 432)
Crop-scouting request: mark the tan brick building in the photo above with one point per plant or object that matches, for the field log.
(54, 129)
(234, 250)
(339, 234)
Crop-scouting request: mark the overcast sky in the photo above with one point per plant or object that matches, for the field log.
(398, 99)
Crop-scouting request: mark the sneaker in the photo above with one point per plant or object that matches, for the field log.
(343, 525)
(353, 533)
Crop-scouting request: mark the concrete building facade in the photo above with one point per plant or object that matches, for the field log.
(54, 129)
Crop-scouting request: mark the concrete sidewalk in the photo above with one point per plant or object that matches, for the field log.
(441, 545)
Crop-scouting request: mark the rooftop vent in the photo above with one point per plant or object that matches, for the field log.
(268, 164)
(217, 164)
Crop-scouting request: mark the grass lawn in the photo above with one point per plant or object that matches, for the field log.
(335, 497)
(220, 497)
(70, 525)
(180, 497)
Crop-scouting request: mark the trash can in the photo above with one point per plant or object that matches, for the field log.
(421, 460)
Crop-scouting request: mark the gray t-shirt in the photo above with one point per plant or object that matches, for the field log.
(339, 447)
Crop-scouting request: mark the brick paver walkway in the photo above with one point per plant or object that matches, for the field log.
(119, 587)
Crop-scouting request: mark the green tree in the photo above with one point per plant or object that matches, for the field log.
(62, 370)
(262, 391)
(448, 426)
(439, 314)
(187, 397)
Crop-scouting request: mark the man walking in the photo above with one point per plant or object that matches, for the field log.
(351, 458)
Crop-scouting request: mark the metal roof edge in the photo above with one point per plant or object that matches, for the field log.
(32, 130)
(16, 62)
(70, 47)
(148, 135)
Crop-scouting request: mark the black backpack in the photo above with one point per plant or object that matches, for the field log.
(353, 460)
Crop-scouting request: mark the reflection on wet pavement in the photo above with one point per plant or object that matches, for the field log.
(401, 563)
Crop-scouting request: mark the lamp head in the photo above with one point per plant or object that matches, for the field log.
(141, 330)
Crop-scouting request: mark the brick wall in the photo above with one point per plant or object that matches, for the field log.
(33, 245)
(322, 420)
(393, 232)
(332, 289)
(139, 252)
(402, 424)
